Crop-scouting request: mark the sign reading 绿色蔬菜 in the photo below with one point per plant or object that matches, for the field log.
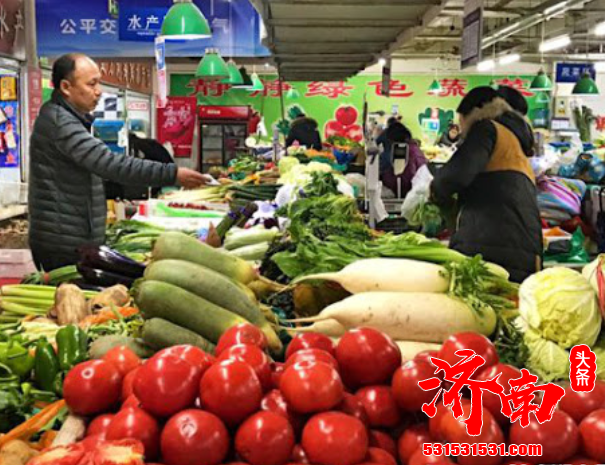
(337, 106)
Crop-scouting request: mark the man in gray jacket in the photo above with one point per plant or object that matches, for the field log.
(67, 206)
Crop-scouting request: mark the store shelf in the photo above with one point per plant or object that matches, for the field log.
(11, 211)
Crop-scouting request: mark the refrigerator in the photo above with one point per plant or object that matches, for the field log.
(223, 133)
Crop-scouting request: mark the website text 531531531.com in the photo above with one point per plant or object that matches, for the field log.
(483, 449)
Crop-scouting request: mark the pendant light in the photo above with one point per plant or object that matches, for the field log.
(541, 81)
(257, 84)
(185, 21)
(235, 77)
(292, 94)
(212, 67)
(435, 87)
(586, 84)
(542, 97)
(246, 80)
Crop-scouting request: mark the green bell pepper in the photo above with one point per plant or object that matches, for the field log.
(16, 358)
(46, 366)
(72, 346)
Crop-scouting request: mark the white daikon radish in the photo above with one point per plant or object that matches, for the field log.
(408, 316)
(409, 349)
(329, 327)
(387, 275)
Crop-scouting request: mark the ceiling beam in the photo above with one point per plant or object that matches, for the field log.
(353, 3)
(341, 23)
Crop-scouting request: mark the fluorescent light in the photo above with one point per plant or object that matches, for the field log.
(509, 59)
(486, 65)
(599, 30)
(382, 62)
(599, 66)
(555, 43)
(557, 7)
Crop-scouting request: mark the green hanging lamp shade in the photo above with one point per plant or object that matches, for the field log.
(292, 94)
(257, 84)
(585, 86)
(212, 67)
(246, 80)
(493, 84)
(185, 21)
(541, 82)
(235, 77)
(543, 97)
(435, 87)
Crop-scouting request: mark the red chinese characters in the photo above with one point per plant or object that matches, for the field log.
(396, 89)
(518, 84)
(273, 89)
(208, 88)
(453, 87)
(516, 405)
(332, 90)
(583, 368)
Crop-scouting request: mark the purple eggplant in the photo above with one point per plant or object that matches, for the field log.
(103, 278)
(106, 259)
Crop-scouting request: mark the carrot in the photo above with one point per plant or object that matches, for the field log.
(107, 315)
(33, 425)
(45, 441)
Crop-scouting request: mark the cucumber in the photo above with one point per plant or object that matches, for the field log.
(159, 334)
(180, 246)
(215, 288)
(162, 300)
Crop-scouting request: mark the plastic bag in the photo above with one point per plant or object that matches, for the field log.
(419, 193)
(576, 253)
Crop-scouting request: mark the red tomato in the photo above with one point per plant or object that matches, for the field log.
(380, 456)
(275, 402)
(383, 441)
(132, 401)
(92, 387)
(468, 340)
(312, 355)
(60, 455)
(426, 355)
(134, 423)
(244, 333)
(277, 370)
(265, 439)
(491, 401)
(353, 406)
(166, 385)
(380, 406)
(310, 341)
(592, 431)
(127, 384)
(254, 357)
(579, 404)
(333, 438)
(406, 391)
(231, 390)
(367, 357)
(299, 455)
(194, 355)
(435, 422)
(420, 459)
(346, 115)
(124, 359)
(311, 387)
(559, 437)
(99, 425)
(90, 443)
(194, 437)
(411, 440)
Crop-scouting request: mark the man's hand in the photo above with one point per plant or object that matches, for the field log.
(190, 179)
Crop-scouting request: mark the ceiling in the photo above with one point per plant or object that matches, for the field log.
(330, 40)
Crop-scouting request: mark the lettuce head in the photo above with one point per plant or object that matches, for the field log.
(560, 306)
(546, 359)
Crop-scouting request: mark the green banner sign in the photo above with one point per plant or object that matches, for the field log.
(338, 106)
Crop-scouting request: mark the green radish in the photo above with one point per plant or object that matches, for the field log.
(161, 300)
(387, 275)
(159, 334)
(179, 246)
(215, 288)
(408, 316)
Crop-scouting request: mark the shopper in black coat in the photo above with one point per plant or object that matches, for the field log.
(304, 131)
(491, 177)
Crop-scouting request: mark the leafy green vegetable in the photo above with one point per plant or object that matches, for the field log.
(546, 359)
(509, 340)
(322, 183)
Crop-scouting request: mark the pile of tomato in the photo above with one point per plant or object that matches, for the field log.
(352, 403)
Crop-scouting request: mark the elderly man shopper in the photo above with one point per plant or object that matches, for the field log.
(67, 206)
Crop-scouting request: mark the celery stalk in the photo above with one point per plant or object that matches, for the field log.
(22, 310)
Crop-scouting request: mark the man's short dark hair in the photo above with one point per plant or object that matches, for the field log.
(64, 68)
